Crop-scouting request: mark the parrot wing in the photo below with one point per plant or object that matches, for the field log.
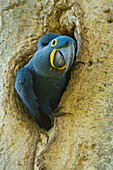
(24, 87)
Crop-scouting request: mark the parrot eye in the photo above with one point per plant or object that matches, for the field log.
(53, 42)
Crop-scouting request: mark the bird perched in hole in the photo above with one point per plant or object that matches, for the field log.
(41, 83)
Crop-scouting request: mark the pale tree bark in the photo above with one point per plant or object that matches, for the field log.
(84, 139)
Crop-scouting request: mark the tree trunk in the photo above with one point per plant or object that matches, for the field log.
(84, 139)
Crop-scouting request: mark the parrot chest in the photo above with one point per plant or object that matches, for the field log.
(49, 90)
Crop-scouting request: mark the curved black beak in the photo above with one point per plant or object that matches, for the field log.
(68, 51)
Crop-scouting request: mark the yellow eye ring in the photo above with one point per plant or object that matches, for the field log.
(52, 55)
(54, 42)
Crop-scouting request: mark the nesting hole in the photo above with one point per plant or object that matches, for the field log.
(13, 104)
(66, 23)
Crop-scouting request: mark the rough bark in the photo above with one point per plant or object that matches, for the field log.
(83, 140)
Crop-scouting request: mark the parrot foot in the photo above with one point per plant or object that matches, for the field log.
(58, 114)
(78, 62)
(58, 109)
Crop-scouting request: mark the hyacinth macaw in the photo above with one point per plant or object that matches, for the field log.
(41, 82)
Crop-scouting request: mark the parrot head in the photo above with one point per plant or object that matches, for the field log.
(55, 58)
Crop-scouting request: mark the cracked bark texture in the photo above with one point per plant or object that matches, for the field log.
(83, 140)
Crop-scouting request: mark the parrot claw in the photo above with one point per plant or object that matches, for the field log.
(57, 109)
(58, 114)
(78, 62)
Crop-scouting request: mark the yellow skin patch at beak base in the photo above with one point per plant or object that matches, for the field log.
(52, 55)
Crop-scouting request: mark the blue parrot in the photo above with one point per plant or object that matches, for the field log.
(41, 82)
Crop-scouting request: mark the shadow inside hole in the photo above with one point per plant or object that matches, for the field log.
(22, 108)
